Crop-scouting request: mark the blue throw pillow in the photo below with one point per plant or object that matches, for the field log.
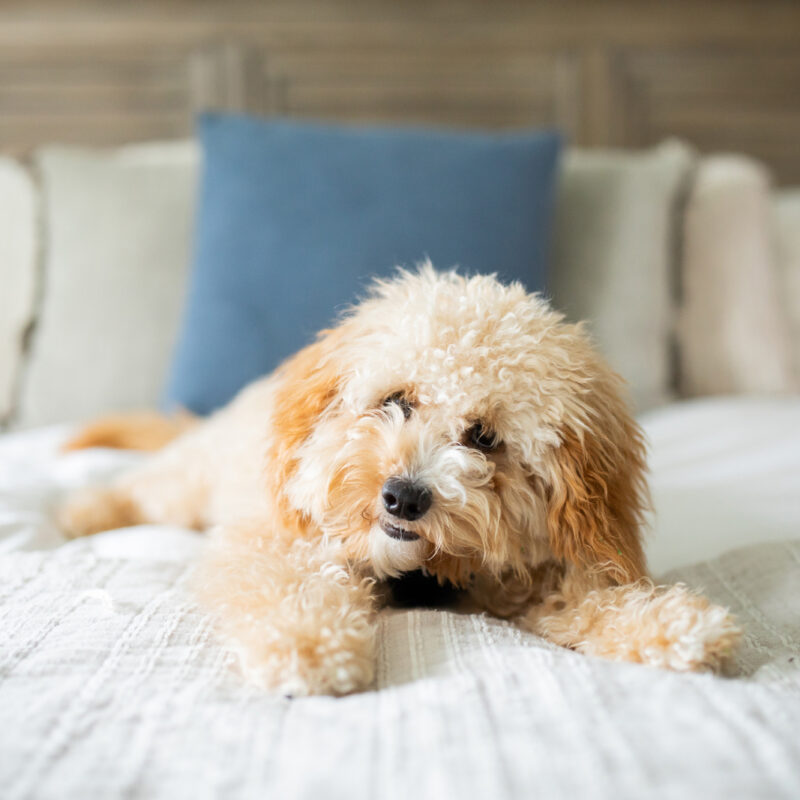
(294, 219)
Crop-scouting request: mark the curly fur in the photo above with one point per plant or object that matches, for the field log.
(543, 525)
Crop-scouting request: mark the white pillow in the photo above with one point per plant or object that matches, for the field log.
(117, 234)
(17, 273)
(786, 208)
(732, 331)
(614, 246)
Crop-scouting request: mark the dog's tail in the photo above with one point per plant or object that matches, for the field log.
(143, 430)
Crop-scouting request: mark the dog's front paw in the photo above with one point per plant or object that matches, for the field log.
(325, 662)
(663, 626)
(300, 621)
(673, 628)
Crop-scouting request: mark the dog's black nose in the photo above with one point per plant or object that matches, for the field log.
(405, 499)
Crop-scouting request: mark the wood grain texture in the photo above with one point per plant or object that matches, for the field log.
(724, 74)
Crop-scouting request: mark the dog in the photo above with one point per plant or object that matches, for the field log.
(449, 424)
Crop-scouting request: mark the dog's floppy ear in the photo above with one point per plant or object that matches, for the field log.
(598, 493)
(307, 385)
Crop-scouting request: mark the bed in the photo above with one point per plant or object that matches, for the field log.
(111, 683)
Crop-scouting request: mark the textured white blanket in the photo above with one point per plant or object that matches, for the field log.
(111, 684)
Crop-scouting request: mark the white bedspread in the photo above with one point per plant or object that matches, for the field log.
(111, 684)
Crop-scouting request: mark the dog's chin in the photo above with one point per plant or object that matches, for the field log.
(393, 550)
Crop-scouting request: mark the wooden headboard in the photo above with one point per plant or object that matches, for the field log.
(723, 74)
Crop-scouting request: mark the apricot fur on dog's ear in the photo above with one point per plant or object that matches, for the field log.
(307, 385)
(598, 493)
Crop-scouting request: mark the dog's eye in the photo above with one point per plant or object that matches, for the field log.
(399, 399)
(482, 438)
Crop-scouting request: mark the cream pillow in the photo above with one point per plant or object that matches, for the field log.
(117, 232)
(17, 274)
(732, 331)
(786, 208)
(614, 248)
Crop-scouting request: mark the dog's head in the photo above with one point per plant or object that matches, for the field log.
(459, 425)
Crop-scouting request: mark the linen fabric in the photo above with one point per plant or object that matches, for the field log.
(786, 220)
(112, 685)
(616, 240)
(18, 277)
(732, 330)
(116, 249)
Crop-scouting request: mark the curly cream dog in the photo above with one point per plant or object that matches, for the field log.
(451, 424)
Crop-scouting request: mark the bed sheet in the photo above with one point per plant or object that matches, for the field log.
(725, 472)
(111, 683)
